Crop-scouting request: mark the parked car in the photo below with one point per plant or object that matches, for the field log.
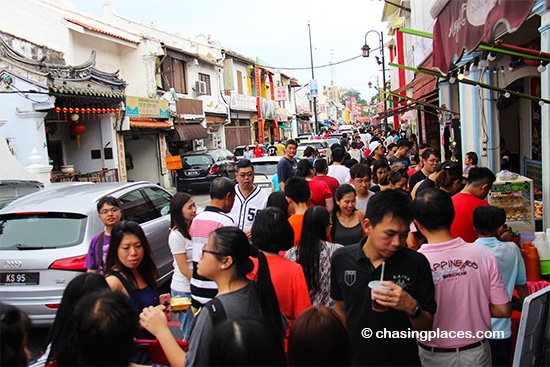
(200, 168)
(320, 144)
(304, 137)
(238, 152)
(13, 189)
(45, 236)
(265, 168)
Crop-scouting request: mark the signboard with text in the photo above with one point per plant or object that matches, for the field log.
(146, 107)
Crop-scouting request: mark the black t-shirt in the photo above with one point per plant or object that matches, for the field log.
(425, 184)
(416, 178)
(272, 150)
(286, 168)
(351, 271)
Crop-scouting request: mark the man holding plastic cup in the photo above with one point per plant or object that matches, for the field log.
(384, 337)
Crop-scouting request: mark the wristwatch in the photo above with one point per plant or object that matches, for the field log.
(417, 311)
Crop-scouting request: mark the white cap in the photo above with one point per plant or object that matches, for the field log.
(373, 145)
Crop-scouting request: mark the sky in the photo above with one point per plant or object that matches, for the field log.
(277, 32)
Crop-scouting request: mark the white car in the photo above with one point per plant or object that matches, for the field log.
(265, 168)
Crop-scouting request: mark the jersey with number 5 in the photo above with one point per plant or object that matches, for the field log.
(245, 209)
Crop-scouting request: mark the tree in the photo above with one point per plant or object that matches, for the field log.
(352, 93)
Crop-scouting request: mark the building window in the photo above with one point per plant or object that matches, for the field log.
(206, 79)
(240, 82)
(172, 75)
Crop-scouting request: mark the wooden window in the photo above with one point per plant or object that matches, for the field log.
(239, 82)
(206, 78)
(173, 74)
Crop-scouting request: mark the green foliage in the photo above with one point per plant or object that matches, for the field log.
(353, 93)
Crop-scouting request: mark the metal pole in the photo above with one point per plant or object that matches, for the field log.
(315, 127)
(383, 76)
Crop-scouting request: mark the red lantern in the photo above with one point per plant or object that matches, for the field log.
(58, 109)
(65, 112)
(77, 129)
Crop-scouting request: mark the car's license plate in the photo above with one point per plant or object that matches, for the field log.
(192, 173)
(19, 278)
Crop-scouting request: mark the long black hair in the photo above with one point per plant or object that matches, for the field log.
(177, 221)
(314, 230)
(64, 319)
(231, 241)
(15, 325)
(147, 268)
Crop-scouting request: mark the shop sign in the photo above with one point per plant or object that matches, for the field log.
(242, 103)
(281, 93)
(146, 107)
(173, 162)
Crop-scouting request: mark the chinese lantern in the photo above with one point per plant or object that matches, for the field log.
(77, 129)
(58, 109)
(65, 109)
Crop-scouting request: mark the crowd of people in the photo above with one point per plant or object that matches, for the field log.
(285, 278)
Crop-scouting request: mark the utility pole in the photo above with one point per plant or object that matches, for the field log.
(315, 126)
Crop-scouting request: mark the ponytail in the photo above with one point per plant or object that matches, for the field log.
(267, 298)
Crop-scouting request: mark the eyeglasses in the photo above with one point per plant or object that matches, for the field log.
(246, 174)
(212, 252)
(107, 211)
(433, 161)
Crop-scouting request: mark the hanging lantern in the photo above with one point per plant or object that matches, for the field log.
(77, 129)
(65, 112)
(58, 109)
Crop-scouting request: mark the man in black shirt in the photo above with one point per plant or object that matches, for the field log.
(410, 300)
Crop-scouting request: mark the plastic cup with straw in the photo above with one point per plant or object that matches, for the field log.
(375, 284)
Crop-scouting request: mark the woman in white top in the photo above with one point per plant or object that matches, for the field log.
(355, 152)
(182, 212)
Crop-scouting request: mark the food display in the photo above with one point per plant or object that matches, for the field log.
(516, 198)
(538, 209)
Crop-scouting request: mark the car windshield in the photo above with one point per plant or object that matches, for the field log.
(196, 160)
(267, 168)
(41, 230)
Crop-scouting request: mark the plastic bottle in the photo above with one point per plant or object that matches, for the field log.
(532, 262)
(542, 245)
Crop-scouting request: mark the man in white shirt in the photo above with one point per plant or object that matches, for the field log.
(337, 168)
(249, 198)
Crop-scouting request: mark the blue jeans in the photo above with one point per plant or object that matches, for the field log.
(185, 317)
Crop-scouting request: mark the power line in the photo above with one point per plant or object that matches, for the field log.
(315, 67)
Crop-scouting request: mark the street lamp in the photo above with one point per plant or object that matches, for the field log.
(366, 53)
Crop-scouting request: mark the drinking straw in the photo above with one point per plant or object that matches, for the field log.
(382, 273)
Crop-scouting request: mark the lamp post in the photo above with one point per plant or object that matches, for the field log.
(366, 53)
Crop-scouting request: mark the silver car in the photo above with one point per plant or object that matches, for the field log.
(264, 170)
(44, 239)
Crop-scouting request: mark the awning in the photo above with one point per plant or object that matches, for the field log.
(184, 132)
(462, 25)
(284, 127)
(147, 123)
(215, 120)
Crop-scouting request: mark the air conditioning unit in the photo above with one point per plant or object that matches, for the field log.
(200, 87)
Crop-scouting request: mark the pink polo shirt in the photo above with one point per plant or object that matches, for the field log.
(467, 280)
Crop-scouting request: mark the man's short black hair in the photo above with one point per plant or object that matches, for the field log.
(433, 209)
(481, 175)
(487, 219)
(291, 142)
(111, 200)
(404, 143)
(320, 165)
(360, 170)
(244, 163)
(427, 153)
(395, 203)
(297, 189)
(338, 155)
(220, 187)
